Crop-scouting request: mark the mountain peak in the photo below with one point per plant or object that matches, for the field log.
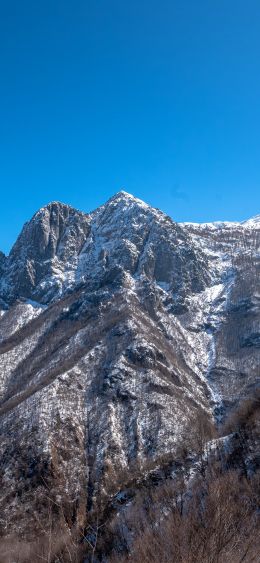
(122, 194)
(57, 206)
(126, 198)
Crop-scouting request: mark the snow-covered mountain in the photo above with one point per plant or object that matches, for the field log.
(117, 328)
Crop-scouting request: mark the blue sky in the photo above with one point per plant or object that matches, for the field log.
(159, 98)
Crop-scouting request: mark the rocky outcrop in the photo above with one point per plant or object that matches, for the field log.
(43, 260)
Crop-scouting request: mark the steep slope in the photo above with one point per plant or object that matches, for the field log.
(94, 384)
(233, 250)
(43, 261)
(116, 331)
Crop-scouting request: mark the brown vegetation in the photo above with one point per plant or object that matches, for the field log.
(166, 513)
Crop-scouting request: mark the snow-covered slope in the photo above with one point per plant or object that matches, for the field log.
(117, 328)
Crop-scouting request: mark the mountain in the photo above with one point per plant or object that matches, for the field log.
(118, 329)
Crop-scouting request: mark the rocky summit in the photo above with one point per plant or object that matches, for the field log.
(117, 328)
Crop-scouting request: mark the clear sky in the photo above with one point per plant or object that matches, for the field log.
(159, 98)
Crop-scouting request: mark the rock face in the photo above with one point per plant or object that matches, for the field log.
(234, 364)
(117, 328)
(43, 260)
